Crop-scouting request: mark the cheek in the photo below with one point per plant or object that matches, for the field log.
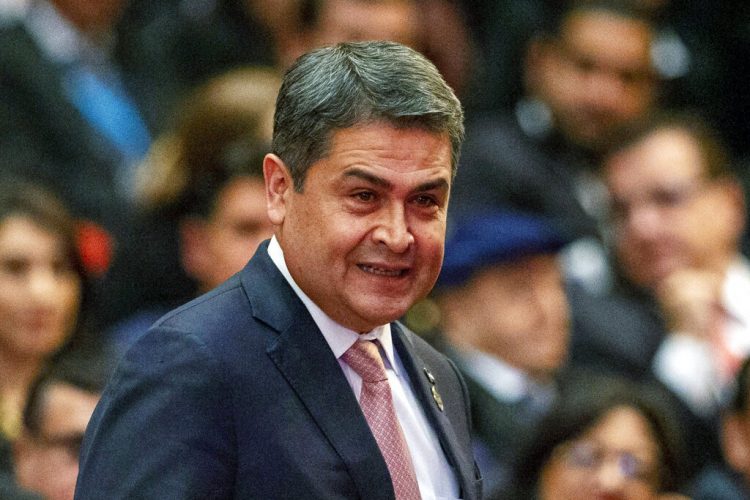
(70, 300)
(558, 482)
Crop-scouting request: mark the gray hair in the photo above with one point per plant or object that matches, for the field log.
(354, 83)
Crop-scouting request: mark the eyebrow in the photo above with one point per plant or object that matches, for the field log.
(379, 181)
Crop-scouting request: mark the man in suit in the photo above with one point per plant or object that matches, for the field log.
(678, 214)
(251, 390)
(587, 73)
(505, 321)
(70, 115)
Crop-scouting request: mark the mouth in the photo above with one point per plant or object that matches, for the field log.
(388, 272)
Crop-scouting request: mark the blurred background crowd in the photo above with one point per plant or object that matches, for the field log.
(596, 289)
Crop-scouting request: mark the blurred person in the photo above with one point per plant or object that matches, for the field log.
(504, 320)
(179, 44)
(678, 214)
(276, 379)
(335, 21)
(201, 200)
(587, 74)
(512, 324)
(42, 285)
(174, 46)
(59, 407)
(609, 439)
(69, 115)
(436, 28)
(729, 479)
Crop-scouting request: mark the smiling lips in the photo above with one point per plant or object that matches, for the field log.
(382, 271)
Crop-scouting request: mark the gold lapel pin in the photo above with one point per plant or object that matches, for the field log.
(433, 388)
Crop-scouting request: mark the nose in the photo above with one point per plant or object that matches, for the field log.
(42, 283)
(604, 91)
(609, 477)
(392, 230)
(643, 221)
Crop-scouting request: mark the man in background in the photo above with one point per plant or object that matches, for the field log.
(677, 218)
(587, 74)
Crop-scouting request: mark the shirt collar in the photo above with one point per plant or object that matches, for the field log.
(736, 291)
(338, 337)
(503, 381)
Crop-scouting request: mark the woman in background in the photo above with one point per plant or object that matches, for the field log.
(609, 440)
(41, 291)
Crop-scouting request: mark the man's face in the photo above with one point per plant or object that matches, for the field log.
(364, 240)
(47, 463)
(358, 20)
(215, 249)
(596, 76)
(519, 313)
(667, 215)
(39, 289)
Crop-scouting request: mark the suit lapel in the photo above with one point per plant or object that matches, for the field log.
(302, 355)
(417, 369)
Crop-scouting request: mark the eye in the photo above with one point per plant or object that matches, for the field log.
(424, 200)
(14, 267)
(364, 196)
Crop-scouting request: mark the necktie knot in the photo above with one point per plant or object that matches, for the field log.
(364, 358)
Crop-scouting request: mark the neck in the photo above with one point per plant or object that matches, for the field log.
(17, 373)
(16, 376)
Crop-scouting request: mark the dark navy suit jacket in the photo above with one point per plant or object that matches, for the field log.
(238, 395)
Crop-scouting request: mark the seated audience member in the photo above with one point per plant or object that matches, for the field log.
(677, 218)
(504, 319)
(174, 46)
(41, 291)
(202, 198)
(509, 320)
(607, 439)
(730, 479)
(587, 74)
(435, 28)
(59, 407)
(70, 116)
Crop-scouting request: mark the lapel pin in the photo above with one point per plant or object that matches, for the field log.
(433, 388)
(429, 376)
(437, 398)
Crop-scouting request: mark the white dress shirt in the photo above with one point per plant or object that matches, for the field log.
(505, 382)
(688, 365)
(435, 476)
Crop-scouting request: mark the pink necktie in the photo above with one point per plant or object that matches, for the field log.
(377, 405)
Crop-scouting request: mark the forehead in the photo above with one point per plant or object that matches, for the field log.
(665, 157)
(625, 428)
(608, 39)
(381, 145)
(18, 232)
(540, 264)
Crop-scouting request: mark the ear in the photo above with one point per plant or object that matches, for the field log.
(735, 442)
(279, 187)
(194, 255)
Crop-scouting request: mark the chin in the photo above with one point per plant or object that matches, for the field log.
(384, 316)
